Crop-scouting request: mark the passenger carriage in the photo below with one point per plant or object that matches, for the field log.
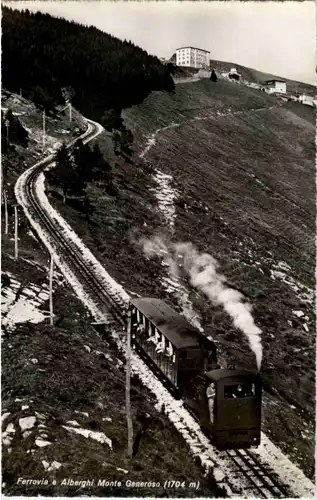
(177, 348)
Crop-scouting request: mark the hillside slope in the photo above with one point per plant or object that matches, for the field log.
(242, 169)
(63, 386)
(233, 168)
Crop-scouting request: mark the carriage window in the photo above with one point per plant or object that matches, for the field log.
(245, 390)
(183, 355)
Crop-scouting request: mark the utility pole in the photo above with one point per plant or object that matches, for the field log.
(1, 180)
(44, 128)
(15, 232)
(7, 124)
(128, 387)
(6, 223)
(20, 92)
(70, 113)
(51, 290)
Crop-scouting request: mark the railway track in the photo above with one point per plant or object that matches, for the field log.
(262, 483)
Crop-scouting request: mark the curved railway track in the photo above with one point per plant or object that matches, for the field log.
(262, 483)
(69, 251)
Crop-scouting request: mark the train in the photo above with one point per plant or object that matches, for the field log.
(226, 402)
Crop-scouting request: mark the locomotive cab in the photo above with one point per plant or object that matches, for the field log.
(234, 404)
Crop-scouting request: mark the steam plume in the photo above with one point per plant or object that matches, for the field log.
(201, 268)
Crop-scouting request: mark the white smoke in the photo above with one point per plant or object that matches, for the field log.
(201, 268)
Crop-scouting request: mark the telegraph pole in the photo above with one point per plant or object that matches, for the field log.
(7, 124)
(70, 113)
(44, 128)
(127, 387)
(6, 223)
(1, 180)
(15, 232)
(51, 290)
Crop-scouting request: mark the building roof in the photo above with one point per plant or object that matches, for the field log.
(189, 47)
(274, 81)
(234, 374)
(171, 324)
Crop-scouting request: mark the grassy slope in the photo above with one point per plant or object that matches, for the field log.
(246, 225)
(69, 377)
(245, 220)
(77, 370)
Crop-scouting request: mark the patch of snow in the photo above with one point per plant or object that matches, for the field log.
(27, 423)
(50, 467)
(23, 309)
(41, 443)
(151, 139)
(73, 422)
(27, 434)
(165, 195)
(122, 470)
(304, 293)
(88, 349)
(25, 407)
(4, 416)
(8, 434)
(105, 355)
(40, 416)
(299, 314)
(82, 413)
(108, 419)
(31, 233)
(97, 436)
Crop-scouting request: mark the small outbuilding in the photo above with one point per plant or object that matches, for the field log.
(275, 86)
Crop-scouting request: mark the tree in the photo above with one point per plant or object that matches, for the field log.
(101, 170)
(82, 160)
(63, 174)
(94, 70)
(213, 76)
(68, 93)
(13, 131)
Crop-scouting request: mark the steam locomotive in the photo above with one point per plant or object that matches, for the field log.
(226, 402)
